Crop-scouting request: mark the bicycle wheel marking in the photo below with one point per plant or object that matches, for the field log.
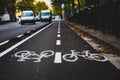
(67, 57)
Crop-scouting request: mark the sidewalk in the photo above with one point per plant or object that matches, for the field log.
(109, 42)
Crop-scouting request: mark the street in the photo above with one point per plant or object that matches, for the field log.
(54, 52)
(14, 29)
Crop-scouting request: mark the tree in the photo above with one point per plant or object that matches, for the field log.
(57, 6)
(29, 5)
(40, 6)
(26, 5)
(2, 6)
(8, 5)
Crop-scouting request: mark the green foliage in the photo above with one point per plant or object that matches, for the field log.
(57, 6)
(29, 5)
(6, 4)
(25, 5)
(40, 6)
(2, 6)
(82, 3)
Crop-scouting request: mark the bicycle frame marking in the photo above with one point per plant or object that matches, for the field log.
(27, 55)
(73, 56)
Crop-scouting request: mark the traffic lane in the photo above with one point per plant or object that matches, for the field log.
(29, 70)
(71, 41)
(8, 25)
(16, 25)
(15, 31)
(84, 68)
(13, 25)
(47, 69)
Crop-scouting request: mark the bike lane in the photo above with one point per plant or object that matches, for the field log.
(56, 41)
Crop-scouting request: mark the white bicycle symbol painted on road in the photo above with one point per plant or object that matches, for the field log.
(73, 56)
(26, 55)
(70, 57)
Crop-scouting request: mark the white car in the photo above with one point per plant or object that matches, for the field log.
(27, 17)
(5, 17)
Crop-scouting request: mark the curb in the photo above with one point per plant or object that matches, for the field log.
(110, 48)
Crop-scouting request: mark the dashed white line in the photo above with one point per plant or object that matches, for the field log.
(59, 24)
(28, 32)
(58, 32)
(20, 35)
(58, 35)
(58, 57)
(58, 29)
(4, 42)
(58, 42)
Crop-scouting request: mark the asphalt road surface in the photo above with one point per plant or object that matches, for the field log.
(43, 56)
(11, 30)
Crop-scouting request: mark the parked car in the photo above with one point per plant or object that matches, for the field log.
(5, 17)
(27, 17)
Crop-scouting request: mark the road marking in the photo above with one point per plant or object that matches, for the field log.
(58, 32)
(59, 24)
(58, 35)
(58, 57)
(4, 42)
(58, 29)
(21, 42)
(28, 31)
(20, 35)
(58, 42)
(28, 55)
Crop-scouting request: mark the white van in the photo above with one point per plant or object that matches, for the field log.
(45, 15)
(27, 17)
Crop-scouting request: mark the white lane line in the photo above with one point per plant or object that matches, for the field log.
(21, 42)
(4, 42)
(58, 32)
(59, 24)
(20, 35)
(58, 35)
(58, 29)
(28, 32)
(58, 42)
(58, 57)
